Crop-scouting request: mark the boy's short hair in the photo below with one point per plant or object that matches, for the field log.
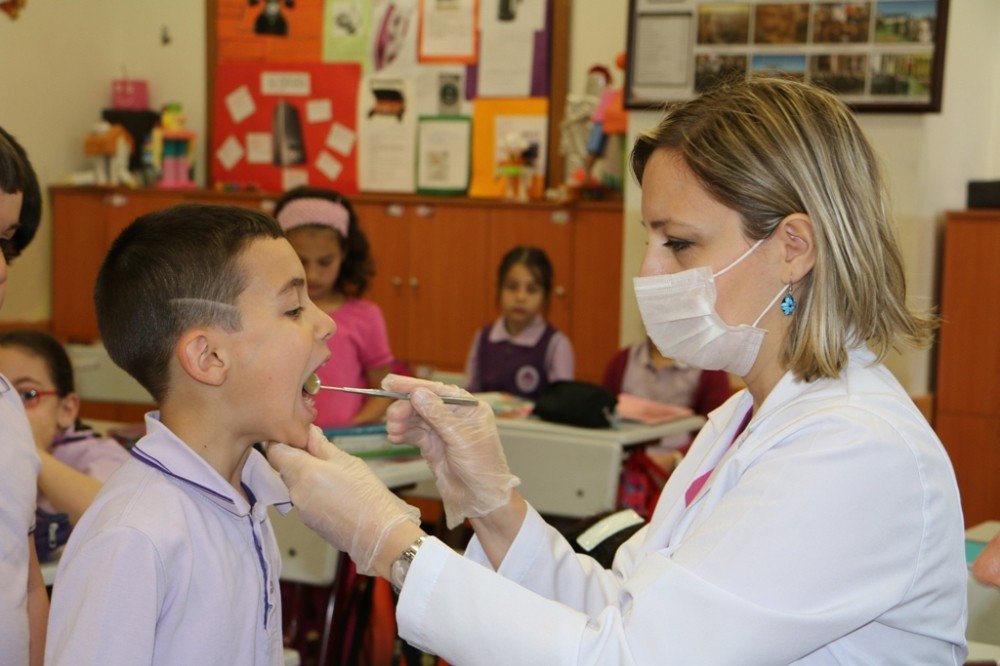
(17, 175)
(170, 271)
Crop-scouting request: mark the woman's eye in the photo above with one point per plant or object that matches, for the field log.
(676, 244)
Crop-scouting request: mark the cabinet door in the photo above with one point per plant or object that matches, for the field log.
(969, 356)
(387, 229)
(597, 284)
(548, 229)
(448, 285)
(78, 247)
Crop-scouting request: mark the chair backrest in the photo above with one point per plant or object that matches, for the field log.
(305, 556)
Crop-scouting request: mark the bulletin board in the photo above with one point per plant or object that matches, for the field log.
(335, 93)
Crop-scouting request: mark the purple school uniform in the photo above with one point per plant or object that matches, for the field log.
(170, 565)
(505, 366)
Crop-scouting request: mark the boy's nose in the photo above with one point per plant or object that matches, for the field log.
(327, 327)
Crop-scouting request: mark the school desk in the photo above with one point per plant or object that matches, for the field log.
(573, 472)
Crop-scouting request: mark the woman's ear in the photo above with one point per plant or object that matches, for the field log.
(798, 243)
(201, 357)
(69, 409)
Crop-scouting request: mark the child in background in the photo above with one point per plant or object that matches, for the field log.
(24, 603)
(322, 227)
(175, 561)
(641, 370)
(75, 460)
(520, 353)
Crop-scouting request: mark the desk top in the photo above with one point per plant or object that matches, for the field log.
(624, 434)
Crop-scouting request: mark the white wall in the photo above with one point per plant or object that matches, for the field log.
(928, 158)
(68, 52)
(61, 58)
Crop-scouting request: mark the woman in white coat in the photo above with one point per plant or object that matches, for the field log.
(815, 520)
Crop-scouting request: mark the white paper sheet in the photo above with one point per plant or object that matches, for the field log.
(319, 111)
(341, 139)
(240, 104)
(662, 50)
(443, 161)
(260, 148)
(230, 152)
(386, 144)
(440, 91)
(328, 165)
(286, 84)
(447, 29)
(505, 58)
(292, 178)
(394, 37)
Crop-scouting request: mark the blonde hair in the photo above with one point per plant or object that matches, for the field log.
(767, 148)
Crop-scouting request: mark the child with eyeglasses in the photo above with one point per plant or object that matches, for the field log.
(75, 459)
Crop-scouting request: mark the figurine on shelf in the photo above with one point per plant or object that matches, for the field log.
(517, 168)
(109, 147)
(602, 167)
(173, 149)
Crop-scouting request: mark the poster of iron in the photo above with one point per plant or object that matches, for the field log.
(280, 125)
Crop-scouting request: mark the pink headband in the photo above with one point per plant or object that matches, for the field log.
(323, 212)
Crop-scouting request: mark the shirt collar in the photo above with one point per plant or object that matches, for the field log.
(529, 337)
(164, 451)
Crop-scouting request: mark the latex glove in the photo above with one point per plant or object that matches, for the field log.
(340, 498)
(986, 568)
(459, 442)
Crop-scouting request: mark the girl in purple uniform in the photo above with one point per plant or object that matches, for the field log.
(520, 353)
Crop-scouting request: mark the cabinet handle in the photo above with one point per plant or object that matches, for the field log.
(560, 217)
(396, 281)
(560, 290)
(394, 210)
(414, 283)
(116, 200)
(424, 210)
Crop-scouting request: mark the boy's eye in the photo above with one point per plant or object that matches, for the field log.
(295, 313)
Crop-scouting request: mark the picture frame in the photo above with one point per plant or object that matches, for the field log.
(877, 55)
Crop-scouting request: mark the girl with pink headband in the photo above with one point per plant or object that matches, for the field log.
(322, 227)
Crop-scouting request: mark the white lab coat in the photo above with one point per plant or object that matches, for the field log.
(829, 533)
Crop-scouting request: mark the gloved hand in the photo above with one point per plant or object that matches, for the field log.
(986, 568)
(460, 444)
(340, 498)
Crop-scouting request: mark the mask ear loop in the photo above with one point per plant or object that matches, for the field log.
(740, 258)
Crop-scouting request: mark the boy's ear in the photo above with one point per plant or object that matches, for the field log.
(795, 233)
(201, 356)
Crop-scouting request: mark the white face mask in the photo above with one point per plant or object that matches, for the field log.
(678, 311)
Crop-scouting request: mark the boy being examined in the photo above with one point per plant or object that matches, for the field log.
(175, 561)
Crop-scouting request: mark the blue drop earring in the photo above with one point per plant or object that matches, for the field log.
(788, 303)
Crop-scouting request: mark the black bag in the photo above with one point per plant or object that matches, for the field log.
(577, 404)
(51, 531)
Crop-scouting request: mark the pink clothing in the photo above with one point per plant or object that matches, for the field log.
(692, 492)
(360, 344)
(559, 361)
(89, 453)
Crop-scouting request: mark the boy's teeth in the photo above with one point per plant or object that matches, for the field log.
(312, 385)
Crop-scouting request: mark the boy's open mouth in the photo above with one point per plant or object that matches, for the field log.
(309, 389)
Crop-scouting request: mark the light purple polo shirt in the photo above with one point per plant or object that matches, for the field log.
(170, 565)
(18, 481)
(88, 453)
(559, 361)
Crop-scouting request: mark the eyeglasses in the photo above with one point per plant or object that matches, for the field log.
(32, 397)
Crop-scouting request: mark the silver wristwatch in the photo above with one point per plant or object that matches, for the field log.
(399, 569)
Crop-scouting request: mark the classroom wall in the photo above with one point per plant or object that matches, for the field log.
(927, 160)
(67, 54)
(61, 58)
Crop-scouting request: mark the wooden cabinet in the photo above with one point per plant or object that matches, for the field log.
(435, 260)
(967, 415)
